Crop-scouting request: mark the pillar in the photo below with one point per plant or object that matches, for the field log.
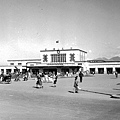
(105, 70)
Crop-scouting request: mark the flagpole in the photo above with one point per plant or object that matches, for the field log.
(57, 44)
(58, 51)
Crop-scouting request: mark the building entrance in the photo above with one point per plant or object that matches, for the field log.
(8, 71)
(35, 71)
(92, 70)
(109, 70)
(54, 70)
(100, 70)
(118, 70)
(65, 70)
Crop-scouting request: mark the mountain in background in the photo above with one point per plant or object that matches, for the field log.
(103, 58)
(116, 58)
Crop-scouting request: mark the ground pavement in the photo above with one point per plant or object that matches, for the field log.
(22, 101)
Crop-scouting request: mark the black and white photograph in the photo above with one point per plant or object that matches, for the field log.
(59, 59)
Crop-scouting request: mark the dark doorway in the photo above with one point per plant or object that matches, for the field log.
(24, 71)
(8, 71)
(100, 70)
(64, 70)
(92, 70)
(118, 70)
(109, 70)
(16, 70)
(50, 70)
(35, 71)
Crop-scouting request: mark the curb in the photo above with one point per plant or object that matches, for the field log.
(115, 96)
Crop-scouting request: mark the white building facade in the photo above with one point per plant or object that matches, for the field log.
(62, 61)
(20, 64)
(103, 67)
(59, 61)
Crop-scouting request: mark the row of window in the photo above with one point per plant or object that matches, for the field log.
(102, 70)
(58, 57)
(10, 70)
(13, 63)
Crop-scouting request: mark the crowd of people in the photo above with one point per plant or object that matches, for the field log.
(44, 77)
(5, 78)
(40, 78)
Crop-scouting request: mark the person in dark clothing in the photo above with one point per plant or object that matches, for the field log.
(17, 76)
(55, 77)
(76, 84)
(39, 81)
(81, 76)
(25, 77)
(116, 74)
(2, 76)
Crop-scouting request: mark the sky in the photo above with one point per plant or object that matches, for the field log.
(28, 26)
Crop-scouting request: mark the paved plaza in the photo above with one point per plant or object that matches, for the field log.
(22, 101)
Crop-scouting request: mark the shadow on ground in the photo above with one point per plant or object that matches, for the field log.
(117, 96)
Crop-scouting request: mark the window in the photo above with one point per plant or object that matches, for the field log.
(19, 63)
(11, 63)
(31, 64)
(58, 57)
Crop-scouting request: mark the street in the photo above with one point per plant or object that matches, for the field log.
(22, 101)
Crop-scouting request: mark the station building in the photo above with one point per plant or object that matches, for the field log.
(62, 61)
(57, 60)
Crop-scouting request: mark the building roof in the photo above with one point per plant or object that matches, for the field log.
(101, 61)
(71, 49)
(25, 60)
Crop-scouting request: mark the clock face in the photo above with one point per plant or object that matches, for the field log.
(58, 51)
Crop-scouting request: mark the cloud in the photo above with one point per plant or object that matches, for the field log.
(118, 47)
(90, 51)
(6, 51)
(28, 46)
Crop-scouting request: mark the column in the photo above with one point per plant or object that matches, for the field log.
(96, 70)
(113, 69)
(105, 70)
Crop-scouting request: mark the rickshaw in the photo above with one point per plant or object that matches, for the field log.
(5, 79)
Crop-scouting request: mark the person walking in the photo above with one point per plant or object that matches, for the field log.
(39, 82)
(76, 84)
(116, 74)
(81, 76)
(55, 77)
(2, 76)
(25, 77)
(17, 76)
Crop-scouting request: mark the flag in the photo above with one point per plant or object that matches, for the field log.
(57, 41)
